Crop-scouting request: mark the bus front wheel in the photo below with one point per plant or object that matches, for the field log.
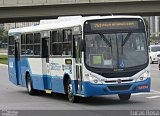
(71, 97)
(30, 89)
(124, 97)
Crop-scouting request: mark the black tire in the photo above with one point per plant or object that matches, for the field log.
(72, 98)
(30, 89)
(124, 97)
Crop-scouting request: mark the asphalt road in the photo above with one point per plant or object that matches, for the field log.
(17, 98)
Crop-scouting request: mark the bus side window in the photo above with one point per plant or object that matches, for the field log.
(67, 43)
(67, 49)
(29, 44)
(67, 35)
(11, 45)
(37, 37)
(56, 43)
(23, 46)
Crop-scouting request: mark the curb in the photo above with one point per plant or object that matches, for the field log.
(4, 65)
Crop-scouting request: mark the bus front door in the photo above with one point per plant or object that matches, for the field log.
(78, 64)
(45, 63)
(17, 61)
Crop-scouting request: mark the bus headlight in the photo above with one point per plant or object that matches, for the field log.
(143, 77)
(93, 79)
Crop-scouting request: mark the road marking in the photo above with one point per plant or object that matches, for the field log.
(152, 97)
(155, 70)
(134, 94)
(153, 92)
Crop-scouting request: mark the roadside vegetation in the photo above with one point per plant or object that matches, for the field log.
(3, 36)
(3, 59)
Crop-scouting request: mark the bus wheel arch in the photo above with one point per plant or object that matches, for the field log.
(66, 79)
(29, 86)
(69, 90)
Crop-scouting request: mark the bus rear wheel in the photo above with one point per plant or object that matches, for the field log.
(71, 97)
(30, 89)
(124, 97)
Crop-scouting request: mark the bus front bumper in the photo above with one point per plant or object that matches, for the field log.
(106, 89)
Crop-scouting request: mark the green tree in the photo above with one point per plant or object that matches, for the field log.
(3, 36)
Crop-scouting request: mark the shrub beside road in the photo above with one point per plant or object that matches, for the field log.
(3, 59)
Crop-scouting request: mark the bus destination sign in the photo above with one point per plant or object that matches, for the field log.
(114, 25)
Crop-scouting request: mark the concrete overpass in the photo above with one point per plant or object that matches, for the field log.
(34, 10)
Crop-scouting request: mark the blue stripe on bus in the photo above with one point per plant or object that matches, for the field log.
(57, 84)
(25, 67)
(12, 70)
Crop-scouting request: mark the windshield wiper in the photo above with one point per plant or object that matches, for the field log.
(126, 38)
(105, 39)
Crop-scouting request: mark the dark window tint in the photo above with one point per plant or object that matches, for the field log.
(11, 50)
(36, 49)
(11, 40)
(29, 38)
(57, 49)
(54, 36)
(23, 49)
(60, 36)
(37, 38)
(30, 44)
(67, 49)
(67, 35)
(61, 42)
(29, 49)
(23, 39)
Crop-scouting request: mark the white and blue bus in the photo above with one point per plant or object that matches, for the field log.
(81, 56)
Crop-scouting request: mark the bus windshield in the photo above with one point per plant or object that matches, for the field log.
(115, 50)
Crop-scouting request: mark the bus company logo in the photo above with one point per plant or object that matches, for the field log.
(119, 81)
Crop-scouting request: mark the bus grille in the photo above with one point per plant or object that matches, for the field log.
(118, 88)
(114, 81)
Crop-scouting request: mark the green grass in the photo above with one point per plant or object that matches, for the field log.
(2, 49)
(3, 59)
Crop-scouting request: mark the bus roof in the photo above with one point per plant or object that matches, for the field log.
(61, 22)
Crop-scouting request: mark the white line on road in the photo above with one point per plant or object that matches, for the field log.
(153, 92)
(134, 94)
(155, 69)
(152, 97)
